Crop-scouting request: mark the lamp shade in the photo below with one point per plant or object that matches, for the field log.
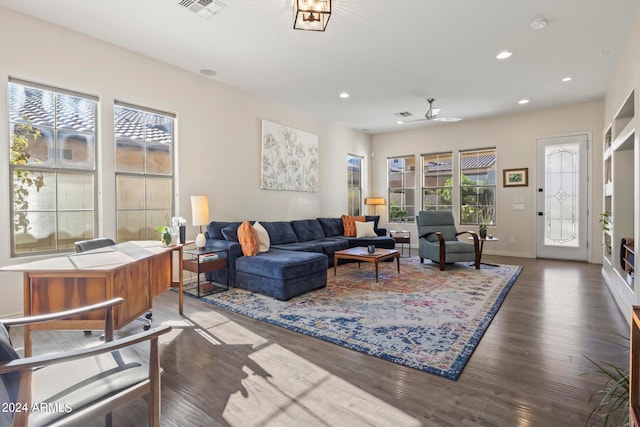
(200, 210)
(374, 201)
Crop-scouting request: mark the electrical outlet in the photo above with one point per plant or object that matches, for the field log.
(512, 239)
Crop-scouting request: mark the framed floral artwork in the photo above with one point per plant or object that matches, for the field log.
(515, 177)
(289, 158)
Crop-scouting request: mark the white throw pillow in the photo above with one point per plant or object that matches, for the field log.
(365, 229)
(263, 236)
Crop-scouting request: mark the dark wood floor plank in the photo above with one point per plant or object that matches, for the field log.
(223, 369)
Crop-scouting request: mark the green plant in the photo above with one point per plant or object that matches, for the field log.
(165, 233)
(24, 180)
(605, 221)
(612, 400)
(397, 213)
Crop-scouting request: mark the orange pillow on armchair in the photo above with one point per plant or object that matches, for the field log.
(349, 224)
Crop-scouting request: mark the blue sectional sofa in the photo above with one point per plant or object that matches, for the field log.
(300, 253)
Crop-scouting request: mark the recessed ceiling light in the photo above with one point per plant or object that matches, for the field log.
(208, 72)
(566, 79)
(504, 54)
(400, 122)
(538, 23)
(523, 101)
(343, 95)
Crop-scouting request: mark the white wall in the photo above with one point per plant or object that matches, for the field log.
(218, 136)
(514, 137)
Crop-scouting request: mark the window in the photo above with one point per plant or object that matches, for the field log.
(478, 186)
(402, 178)
(354, 184)
(437, 181)
(52, 167)
(144, 143)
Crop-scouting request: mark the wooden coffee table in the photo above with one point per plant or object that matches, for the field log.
(360, 254)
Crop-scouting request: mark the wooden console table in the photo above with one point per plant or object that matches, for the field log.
(136, 271)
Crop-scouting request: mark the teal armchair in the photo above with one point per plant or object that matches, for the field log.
(438, 240)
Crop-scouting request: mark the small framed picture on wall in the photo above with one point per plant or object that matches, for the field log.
(515, 177)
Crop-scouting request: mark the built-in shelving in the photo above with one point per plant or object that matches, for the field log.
(620, 155)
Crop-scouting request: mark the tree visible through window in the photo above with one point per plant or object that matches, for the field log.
(52, 164)
(478, 186)
(354, 184)
(144, 171)
(437, 181)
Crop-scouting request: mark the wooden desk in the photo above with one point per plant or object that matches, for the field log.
(136, 271)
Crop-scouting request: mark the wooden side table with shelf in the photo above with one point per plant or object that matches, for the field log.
(205, 262)
(403, 238)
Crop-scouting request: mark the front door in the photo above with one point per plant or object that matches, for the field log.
(562, 223)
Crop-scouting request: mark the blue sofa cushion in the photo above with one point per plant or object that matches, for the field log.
(280, 232)
(282, 264)
(310, 246)
(214, 229)
(308, 229)
(332, 226)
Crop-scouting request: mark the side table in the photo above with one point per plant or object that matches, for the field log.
(206, 262)
(402, 237)
(482, 240)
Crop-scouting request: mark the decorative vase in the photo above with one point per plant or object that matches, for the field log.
(482, 233)
(371, 249)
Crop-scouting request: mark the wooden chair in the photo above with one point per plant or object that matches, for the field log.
(72, 387)
(439, 242)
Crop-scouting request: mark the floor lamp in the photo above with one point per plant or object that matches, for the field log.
(375, 201)
(200, 217)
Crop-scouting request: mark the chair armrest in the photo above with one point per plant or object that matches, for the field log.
(60, 314)
(472, 233)
(55, 358)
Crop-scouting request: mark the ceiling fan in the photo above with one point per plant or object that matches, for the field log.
(432, 114)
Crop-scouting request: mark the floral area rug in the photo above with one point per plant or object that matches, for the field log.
(422, 318)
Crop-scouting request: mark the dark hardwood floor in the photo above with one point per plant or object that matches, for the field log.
(222, 369)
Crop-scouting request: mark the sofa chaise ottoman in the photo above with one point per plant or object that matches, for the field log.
(282, 274)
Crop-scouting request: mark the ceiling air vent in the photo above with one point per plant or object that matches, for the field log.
(203, 8)
(403, 114)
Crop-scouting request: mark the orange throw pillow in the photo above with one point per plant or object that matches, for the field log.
(248, 238)
(349, 224)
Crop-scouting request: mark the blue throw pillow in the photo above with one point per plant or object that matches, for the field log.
(230, 232)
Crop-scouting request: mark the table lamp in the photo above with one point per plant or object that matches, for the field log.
(200, 217)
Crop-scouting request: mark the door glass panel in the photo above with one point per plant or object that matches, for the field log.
(562, 195)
